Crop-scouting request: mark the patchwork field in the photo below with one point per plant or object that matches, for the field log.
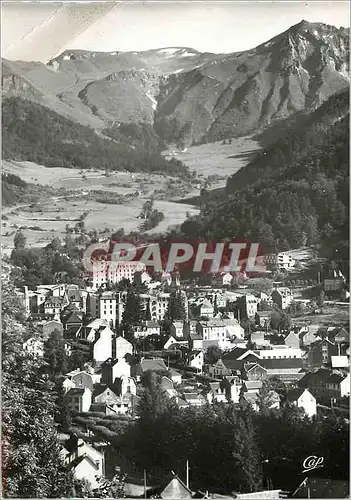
(215, 162)
(212, 163)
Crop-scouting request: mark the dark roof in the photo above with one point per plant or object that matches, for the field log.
(157, 364)
(236, 353)
(74, 317)
(335, 378)
(100, 388)
(232, 364)
(249, 366)
(294, 394)
(75, 391)
(98, 407)
(53, 301)
(281, 364)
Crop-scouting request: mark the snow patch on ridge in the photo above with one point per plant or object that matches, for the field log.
(153, 100)
(168, 51)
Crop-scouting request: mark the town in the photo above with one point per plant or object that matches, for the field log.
(231, 340)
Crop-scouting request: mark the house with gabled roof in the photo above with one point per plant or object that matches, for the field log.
(303, 398)
(102, 344)
(191, 399)
(93, 327)
(154, 364)
(232, 386)
(308, 334)
(86, 462)
(72, 319)
(216, 393)
(320, 353)
(82, 379)
(177, 328)
(122, 347)
(53, 305)
(176, 490)
(292, 340)
(196, 360)
(219, 369)
(340, 336)
(282, 296)
(79, 399)
(206, 309)
(263, 318)
(113, 368)
(253, 371)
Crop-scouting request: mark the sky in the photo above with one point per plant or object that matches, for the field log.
(41, 31)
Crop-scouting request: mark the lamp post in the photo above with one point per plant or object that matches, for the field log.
(266, 461)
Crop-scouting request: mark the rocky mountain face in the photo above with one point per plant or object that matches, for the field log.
(186, 95)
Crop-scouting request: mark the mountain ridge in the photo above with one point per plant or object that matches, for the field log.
(188, 96)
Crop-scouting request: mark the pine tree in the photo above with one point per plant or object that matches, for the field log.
(19, 240)
(176, 308)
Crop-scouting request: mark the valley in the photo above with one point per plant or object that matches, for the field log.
(212, 163)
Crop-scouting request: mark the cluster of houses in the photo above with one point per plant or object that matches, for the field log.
(313, 362)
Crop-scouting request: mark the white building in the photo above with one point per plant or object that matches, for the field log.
(302, 398)
(282, 296)
(102, 345)
(146, 329)
(206, 309)
(122, 347)
(197, 360)
(177, 329)
(113, 272)
(89, 463)
(345, 386)
(282, 260)
(247, 305)
(280, 352)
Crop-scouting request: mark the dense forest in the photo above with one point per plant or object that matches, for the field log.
(299, 195)
(35, 133)
(292, 141)
(231, 448)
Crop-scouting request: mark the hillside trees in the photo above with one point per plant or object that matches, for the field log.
(32, 465)
(282, 205)
(45, 137)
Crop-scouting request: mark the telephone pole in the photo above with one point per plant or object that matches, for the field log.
(187, 473)
(144, 483)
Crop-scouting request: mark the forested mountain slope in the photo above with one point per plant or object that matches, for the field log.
(299, 196)
(35, 133)
(189, 96)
